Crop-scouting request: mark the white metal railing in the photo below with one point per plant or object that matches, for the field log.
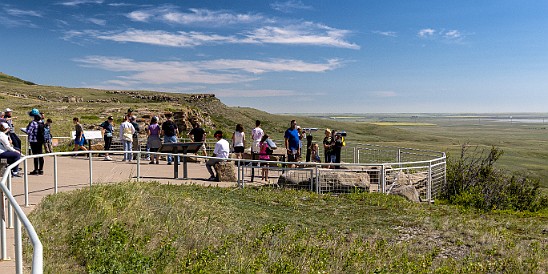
(435, 169)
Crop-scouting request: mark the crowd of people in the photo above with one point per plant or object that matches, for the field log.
(262, 147)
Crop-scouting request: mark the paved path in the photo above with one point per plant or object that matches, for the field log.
(73, 173)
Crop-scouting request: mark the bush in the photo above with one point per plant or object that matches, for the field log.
(473, 180)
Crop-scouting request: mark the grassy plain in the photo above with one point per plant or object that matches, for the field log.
(146, 227)
(136, 228)
(524, 139)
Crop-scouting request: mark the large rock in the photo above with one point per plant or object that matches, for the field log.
(407, 191)
(343, 181)
(296, 178)
(225, 171)
(336, 181)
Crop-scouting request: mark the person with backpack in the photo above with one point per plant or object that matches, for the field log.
(126, 136)
(107, 128)
(35, 133)
(79, 138)
(170, 132)
(135, 143)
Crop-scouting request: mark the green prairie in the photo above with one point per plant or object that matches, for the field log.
(152, 228)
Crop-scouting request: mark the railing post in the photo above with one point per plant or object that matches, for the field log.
(429, 187)
(383, 179)
(26, 183)
(138, 165)
(243, 175)
(18, 246)
(90, 170)
(10, 207)
(239, 173)
(317, 179)
(55, 175)
(4, 252)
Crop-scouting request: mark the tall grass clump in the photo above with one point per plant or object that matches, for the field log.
(474, 181)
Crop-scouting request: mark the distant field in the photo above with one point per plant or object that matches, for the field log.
(401, 124)
(524, 138)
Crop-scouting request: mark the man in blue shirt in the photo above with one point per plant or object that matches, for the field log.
(292, 143)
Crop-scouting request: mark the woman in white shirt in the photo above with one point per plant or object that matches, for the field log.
(7, 151)
(238, 141)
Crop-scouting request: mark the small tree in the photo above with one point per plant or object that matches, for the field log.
(473, 180)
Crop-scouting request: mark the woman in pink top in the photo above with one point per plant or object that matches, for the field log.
(263, 155)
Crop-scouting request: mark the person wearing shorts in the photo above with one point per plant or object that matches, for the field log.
(238, 141)
(292, 143)
(79, 139)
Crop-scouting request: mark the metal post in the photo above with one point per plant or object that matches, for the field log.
(383, 179)
(317, 179)
(55, 174)
(239, 172)
(18, 246)
(243, 175)
(90, 170)
(429, 187)
(4, 252)
(358, 155)
(26, 183)
(10, 207)
(138, 165)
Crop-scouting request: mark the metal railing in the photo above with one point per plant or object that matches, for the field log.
(427, 175)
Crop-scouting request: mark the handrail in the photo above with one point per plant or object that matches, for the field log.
(37, 258)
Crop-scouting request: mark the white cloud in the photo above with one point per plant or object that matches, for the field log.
(289, 6)
(386, 33)
(170, 15)
(447, 36)
(423, 33)
(163, 38)
(74, 3)
(22, 13)
(452, 34)
(226, 71)
(304, 34)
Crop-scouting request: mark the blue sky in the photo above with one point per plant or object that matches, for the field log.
(291, 56)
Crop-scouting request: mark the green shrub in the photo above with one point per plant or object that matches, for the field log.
(473, 180)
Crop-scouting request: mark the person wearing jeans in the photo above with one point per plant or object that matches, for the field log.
(170, 132)
(126, 136)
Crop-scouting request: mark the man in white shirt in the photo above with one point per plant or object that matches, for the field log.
(222, 150)
(256, 134)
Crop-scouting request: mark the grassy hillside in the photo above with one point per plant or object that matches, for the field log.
(147, 227)
(11, 79)
(93, 106)
(525, 146)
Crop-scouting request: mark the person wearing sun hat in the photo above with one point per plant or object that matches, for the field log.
(35, 132)
(7, 151)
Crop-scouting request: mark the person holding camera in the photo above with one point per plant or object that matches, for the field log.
(336, 147)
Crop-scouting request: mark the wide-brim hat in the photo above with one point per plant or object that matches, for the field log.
(8, 110)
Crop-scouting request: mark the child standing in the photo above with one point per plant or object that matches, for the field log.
(263, 155)
(48, 147)
(314, 155)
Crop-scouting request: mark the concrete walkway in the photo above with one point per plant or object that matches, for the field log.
(73, 173)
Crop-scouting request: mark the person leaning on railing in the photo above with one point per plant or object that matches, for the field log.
(7, 151)
(222, 151)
